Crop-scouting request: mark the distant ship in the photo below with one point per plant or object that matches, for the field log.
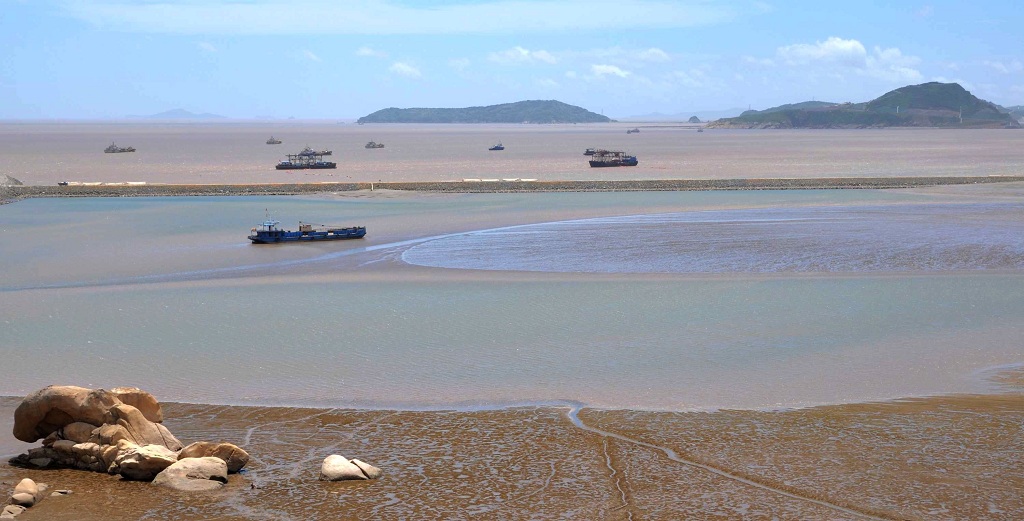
(114, 149)
(268, 233)
(499, 146)
(310, 152)
(602, 158)
(273, 141)
(305, 160)
(633, 131)
(374, 144)
(589, 151)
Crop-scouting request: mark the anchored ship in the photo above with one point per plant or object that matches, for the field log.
(273, 141)
(374, 144)
(114, 149)
(603, 158)
(499, 146)
(633, 131)
(310, 152)
(305, 160)
(268, 233)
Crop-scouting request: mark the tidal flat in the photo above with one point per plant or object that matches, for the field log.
(500, 356)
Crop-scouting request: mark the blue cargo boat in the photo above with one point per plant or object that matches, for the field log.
(268, 233)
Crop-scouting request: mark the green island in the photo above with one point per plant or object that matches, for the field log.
(933, 104)
(531, 111)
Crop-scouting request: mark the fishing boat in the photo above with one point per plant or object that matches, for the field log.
(603, 158)
(114, 149)
(273, 141)
(374, 144)
(589, 151)
(499, 146)
(268, 232)
(633, 131)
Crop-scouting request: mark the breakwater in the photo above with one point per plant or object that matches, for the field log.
(650, 185)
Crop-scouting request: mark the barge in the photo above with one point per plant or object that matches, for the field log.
(602, 158)
(269, 233)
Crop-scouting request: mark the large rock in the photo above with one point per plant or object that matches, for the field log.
(194, 474)
(140, 430)
(337, 468)
(51, 408)
(233, 456)
(26, 493)
(78, 432)
(146, 403)
(143, 463)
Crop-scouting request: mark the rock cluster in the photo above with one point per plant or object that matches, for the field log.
(119, 432)
(26, 494)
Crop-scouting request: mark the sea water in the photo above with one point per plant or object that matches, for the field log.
(732, 300)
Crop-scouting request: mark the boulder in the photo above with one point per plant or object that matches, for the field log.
(370, 471)
(56, 406)
(234, 456)
(77, 432)
(194, 474)
(108, 434)
(146, 403)
(26, 493)
(12, 511)
(140, 430)
(142, 463)
(337, 468)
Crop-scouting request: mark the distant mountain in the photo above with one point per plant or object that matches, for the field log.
(703, 115)
(180, 114)
(1016, 112)
(927, 105)
(549, 111)
(806, 105)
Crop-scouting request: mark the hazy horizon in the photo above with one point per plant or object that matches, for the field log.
(312, 59)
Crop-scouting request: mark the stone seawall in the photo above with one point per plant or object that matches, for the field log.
(166, 190)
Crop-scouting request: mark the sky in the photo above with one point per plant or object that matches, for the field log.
(335, 59)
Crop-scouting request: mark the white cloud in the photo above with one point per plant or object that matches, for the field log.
(404, 69)
(835, 55)
(381, 17)
(459, 64)
(832, 50)
(606, 70)
(371, 52)
(547, 83)
(654, 54)
(308, 54)
(206, 46)
(1006, 68)
(518, 54)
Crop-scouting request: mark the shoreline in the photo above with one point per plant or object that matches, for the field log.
(573, 462)
(499, 186)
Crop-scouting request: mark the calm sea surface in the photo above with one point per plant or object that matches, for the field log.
(44, 153)
(705, 300)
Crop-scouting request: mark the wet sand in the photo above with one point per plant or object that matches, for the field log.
(952, 457)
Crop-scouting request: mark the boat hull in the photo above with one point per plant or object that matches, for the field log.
(335, 234)
(600, 164)
(311, 166)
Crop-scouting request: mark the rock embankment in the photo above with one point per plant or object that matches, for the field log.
(502, 186)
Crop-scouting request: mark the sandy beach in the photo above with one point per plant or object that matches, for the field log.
(946, 457)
